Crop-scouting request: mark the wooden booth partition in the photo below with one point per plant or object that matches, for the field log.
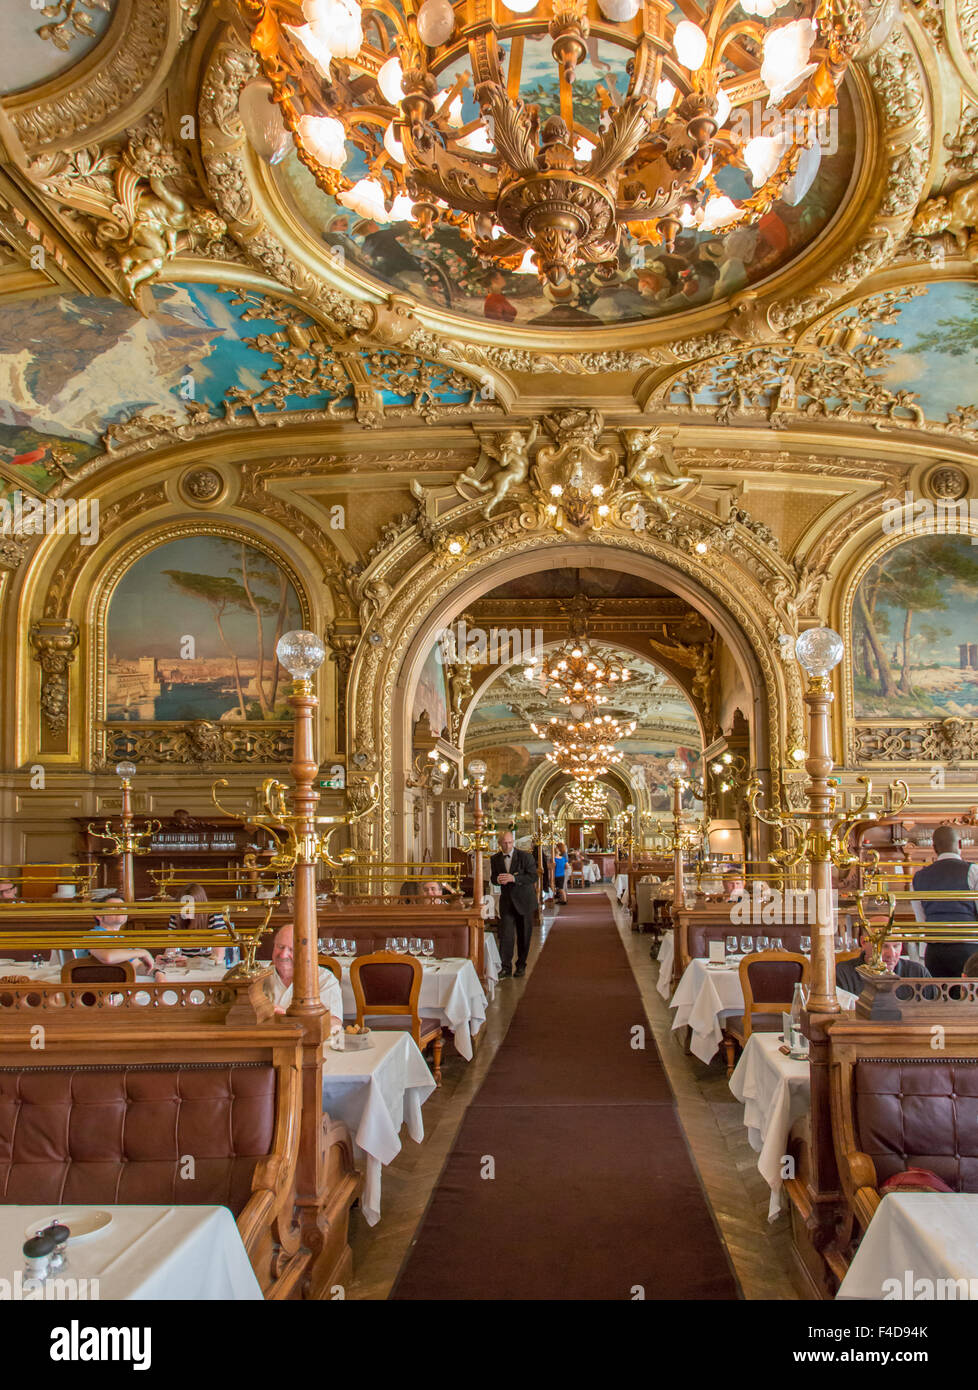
(252, 1072)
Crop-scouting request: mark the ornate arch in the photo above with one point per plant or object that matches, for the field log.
(427, 598)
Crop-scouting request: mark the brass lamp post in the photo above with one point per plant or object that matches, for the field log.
(477, 842)
(127, 841)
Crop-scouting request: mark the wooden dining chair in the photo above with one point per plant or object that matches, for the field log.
(767, 980)
(96, 972)
(387, 986)
(331, 963)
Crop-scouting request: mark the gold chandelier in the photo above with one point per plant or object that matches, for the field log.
(578, 673)
(587, 799)
(585, 749)
(469, 113)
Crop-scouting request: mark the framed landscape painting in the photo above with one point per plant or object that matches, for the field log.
(191, 634)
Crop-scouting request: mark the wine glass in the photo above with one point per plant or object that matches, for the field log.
(415, 945)
(731, 945)
(428, 947)
(351, 948)
(402, 945)
(391, 945)
(777, 944)
(747, 945)
(763, 942)
(806, 945)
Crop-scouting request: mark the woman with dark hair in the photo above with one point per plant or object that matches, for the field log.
(190, 916)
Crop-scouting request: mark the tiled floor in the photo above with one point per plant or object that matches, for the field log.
(712, 1119)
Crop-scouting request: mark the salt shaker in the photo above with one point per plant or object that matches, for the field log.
(37, 1253)
(59, 1234)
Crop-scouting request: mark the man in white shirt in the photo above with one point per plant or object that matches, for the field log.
(329, 986)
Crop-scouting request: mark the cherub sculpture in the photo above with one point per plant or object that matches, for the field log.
(642, 453)
(511, 450)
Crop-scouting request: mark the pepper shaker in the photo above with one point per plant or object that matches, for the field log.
(37, 1253)
(59, 1234)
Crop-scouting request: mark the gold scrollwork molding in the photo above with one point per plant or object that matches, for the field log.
(54, 641)
(201, 743)
(947, 742)
(109, 89)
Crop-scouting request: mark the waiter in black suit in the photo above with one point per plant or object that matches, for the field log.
(515, 872)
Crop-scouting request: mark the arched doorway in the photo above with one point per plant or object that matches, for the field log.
(383, 678)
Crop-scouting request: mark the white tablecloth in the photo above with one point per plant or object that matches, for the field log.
(450, 990)
(915, 1240)
(775, 1091)
(666, 959)
(590, 873)
(374, 1092)
(706, 995)
(621, 887)
(193, 1254)
(493, 961)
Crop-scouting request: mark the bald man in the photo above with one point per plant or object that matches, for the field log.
(329, 986)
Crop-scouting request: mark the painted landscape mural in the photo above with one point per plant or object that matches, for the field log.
(191, 634)
(431, 694)
(915, 643)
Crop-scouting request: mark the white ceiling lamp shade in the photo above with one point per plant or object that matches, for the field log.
(262, 120)
(786, 51)
(477, 140)
(688, 218)
(393, 146)
(664, 94)
(809, 162)
(403, 209)
(366, 199)
(520, 6)
(436, 22)
(719, 212)
(619, 11)
(338, 22)
(324, 137)
(690, 44)
(724, 107)
(389, 79)
(314, 44)
(583, 149)
(526, 266)
(706, 170)
(762, 155)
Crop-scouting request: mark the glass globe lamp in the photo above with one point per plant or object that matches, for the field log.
(301, 653)
(819, 650)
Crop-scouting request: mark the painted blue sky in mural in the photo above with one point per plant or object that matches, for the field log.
(938, 358)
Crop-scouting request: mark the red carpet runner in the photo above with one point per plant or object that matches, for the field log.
(594, 1195)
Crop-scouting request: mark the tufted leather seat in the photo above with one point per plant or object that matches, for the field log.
(121, 1134)
(919, 1113)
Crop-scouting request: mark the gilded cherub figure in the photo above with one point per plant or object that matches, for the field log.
(511, 450)
(642, 454)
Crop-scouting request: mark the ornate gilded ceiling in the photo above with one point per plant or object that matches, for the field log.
(184, 335)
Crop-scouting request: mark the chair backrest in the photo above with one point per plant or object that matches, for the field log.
(768, 980)
(95, 972)
(842, 956)
(331, 963)
(385, 983)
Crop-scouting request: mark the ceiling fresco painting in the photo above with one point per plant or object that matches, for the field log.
(646, 283)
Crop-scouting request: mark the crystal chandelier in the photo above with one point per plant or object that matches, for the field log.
(585, 749)
(577, 673)
(469, 113)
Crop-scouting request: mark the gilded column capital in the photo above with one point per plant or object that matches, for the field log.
(54, 642)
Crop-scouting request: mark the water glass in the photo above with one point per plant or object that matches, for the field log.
(838, 943)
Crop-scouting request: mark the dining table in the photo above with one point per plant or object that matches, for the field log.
(706, 995)
(666, 959)
(775, 1091)
(191, 1253)
(920, 1246)
(376, 1091)
(450, 992)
